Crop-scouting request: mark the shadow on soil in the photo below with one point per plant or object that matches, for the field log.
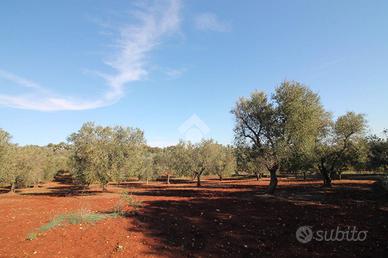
(249, 223)
(64, 191)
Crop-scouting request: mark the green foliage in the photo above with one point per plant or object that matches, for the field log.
(341, 143)
(377, 158)
(302, 116)
(164, 161)
(31, 236)
(181, 158)
(208, 157)
(5, 149)
(130, 200)
(57, 159)
(277, 127)
(224, 163)
(203, 156)
(147, 166)
(102, 154)
(5, 139)
(289, 130)
(249, 161)
(28, 165)
(70, 218)
(126, 200)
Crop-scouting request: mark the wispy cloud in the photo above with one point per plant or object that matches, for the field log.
(211, 22)
(129, 63)
(19, 80)
(174, 73)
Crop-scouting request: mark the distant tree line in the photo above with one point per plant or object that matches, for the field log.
(288, 131)
(28, 165)
(98, 154)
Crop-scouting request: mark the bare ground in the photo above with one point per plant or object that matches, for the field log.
(233, 218)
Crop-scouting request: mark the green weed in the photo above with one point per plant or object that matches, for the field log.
(71, 219)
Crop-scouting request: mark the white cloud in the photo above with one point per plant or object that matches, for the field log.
(19, 80)
(129, 63)
(210, 22)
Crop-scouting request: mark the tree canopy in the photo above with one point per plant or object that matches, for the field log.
(102, 154)
(275, 127)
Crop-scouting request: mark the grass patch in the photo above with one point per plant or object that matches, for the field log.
(129, 200)
(31, 236)
(52, 224)
(77, 218)
(84, 217)
(70, 219)
(126, 200)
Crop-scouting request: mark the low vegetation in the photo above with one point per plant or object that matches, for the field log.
(120, 209)
(70, 219)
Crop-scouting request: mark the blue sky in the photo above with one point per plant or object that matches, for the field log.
(154, 65)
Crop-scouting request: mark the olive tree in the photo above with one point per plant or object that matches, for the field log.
(102, 154)
(7, 174)
(29, 162)
(56, 159)
(225, 164)
(378, 152)
(164, 162)
(287, 122)
(5, 142)
(127, 152)
(147, 166)
(205, 159)
(24, 166)
(181, 158)
(249, 161)
(337, 142)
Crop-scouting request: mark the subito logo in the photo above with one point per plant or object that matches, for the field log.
(304, 234)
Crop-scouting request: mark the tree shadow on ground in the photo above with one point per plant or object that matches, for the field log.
(64, 191)
(141, 184)
(188, 184)
(4, 190)
(251, 224)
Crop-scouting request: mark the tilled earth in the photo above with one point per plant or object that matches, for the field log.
(232, 218)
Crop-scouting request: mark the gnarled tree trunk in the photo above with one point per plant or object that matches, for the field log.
(326, 180)
(326, 175)
(198, 180)
(274, 179)
(12, 190)
(199, 174)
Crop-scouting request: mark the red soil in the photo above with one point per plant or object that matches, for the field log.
(233, 218)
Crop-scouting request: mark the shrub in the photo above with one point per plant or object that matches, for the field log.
(126, 200)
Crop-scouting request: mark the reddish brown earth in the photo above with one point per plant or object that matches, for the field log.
(233, 218)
